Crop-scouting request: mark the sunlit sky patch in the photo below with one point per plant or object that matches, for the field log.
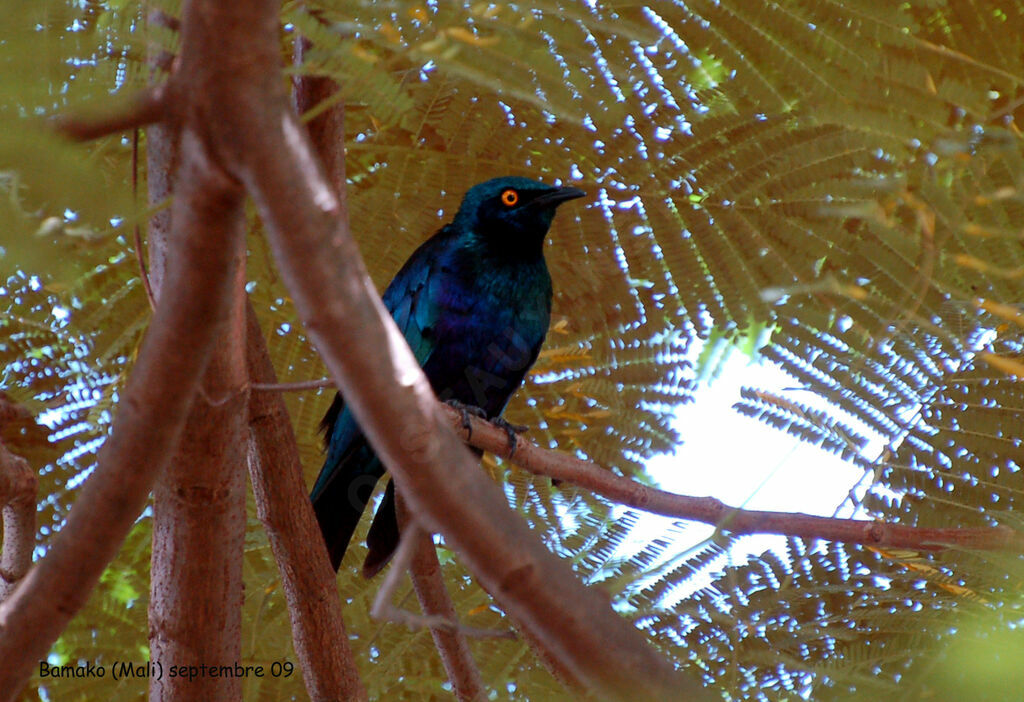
(747, 464)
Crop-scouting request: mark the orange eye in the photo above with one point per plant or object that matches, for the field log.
(510, 197)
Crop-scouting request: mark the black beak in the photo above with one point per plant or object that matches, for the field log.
(556, 197)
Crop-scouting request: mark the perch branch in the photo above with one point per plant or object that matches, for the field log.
(559, 466)
(709, 510)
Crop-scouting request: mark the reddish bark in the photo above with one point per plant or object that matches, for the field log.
(601, 481)
(195, 609)
(199, 503)
(283, 506)
(18, 488)
(148, 424)
(138, 111)
(428, 582)
(326, 129)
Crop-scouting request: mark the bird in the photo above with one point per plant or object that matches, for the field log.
(474, 304)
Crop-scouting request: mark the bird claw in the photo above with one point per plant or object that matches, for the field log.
(511, 430)
(464, 411)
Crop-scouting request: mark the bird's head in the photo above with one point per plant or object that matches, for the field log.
(512, 214)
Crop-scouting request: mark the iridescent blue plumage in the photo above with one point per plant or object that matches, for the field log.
(473, 302)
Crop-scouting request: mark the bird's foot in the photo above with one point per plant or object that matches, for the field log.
(511, 430)
(464, 411)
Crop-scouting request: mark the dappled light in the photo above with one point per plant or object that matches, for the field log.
(832, 187)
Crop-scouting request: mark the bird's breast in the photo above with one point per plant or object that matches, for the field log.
(488, 335)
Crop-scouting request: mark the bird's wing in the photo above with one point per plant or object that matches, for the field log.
(410, 298)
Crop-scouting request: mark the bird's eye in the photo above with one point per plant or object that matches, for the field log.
(510, 197)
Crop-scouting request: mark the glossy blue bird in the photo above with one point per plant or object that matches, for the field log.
(474, 303)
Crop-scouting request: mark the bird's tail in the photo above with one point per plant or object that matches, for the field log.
(340, 503)
(382, 539)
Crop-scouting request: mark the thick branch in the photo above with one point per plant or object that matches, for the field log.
(310, 585)
(149, 420)
(196, 590)
(327, 129)
(561, 466)
(368, 357)
(250, 128)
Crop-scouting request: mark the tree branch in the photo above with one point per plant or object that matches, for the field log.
(293, 387)
(451, 643)
(327, 129)
(147, 427)
(136, 228)
(18, 488)
(140, 110)
(709, 510)
(196, 588)
(367, 355)
(282, 505)
(559, 466)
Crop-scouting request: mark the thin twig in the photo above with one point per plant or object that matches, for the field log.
(144, 108)
(291, 387)
(384, 610)
(143, 272)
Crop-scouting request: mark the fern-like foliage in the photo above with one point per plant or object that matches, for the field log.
(840, 179)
